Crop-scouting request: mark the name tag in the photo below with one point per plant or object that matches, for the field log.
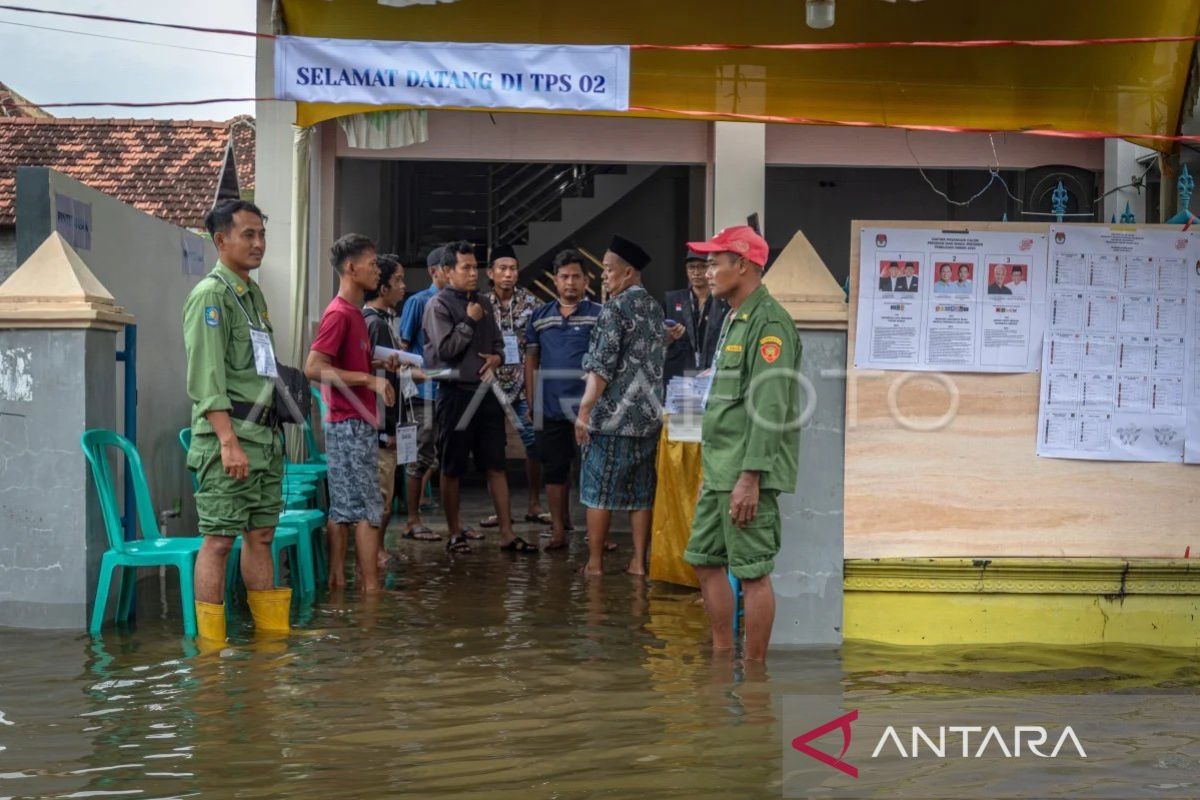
(733, 348)
(406, 444)
(264, 354)
(512, 349)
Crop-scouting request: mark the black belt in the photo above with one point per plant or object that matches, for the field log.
(256, 413)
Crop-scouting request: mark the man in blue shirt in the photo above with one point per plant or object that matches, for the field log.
(413, 340)
(556, 340)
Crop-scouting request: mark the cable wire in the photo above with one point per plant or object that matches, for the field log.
(124, 39)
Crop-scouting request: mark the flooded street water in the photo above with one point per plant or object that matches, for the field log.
(490, 675)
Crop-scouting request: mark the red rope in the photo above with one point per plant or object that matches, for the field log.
(1063, 134)
(963, 43)
(974, 43)
(710, 115)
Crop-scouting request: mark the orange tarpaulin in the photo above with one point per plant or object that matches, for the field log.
(1124, 89)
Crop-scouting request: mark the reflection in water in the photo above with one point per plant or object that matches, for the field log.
(491, 674)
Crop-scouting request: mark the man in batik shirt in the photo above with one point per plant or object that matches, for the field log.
(620, 415)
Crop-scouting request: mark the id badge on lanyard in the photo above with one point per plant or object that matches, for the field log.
(264, 354)
(260, 340)
(512, 349)
(406, 443)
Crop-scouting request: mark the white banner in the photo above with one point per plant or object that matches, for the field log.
(438, 74)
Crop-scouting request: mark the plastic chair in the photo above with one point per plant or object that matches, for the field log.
(152, 550)
(294, 530)
(300, 494)
(315, 455)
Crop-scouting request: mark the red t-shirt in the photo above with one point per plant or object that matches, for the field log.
(343, 337)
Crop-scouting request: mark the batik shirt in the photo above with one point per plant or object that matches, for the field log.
(627, 349)
(512, 317)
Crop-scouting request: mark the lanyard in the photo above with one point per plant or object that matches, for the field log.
(229, 286)
(725, 326)
(512, 302)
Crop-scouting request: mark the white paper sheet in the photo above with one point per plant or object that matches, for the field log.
(953, 300)
(1119, 344)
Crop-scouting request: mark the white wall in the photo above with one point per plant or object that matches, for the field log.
(138, 259)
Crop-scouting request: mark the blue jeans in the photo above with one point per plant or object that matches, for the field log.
(524, 427)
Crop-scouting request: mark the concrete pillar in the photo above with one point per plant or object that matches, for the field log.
(58, 331)
(1121, 167)
(808, 570)
(737, 174)
(273, 188)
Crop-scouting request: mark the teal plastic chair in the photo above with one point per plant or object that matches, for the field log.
(151, 550)
(315, 455)
(300, 493)
(296, 530)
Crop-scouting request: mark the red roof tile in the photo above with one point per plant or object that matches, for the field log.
(14, 105)
(167, 168)
(243, 132)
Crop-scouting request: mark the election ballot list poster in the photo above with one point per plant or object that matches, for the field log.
(1119, 356)
(950, 301)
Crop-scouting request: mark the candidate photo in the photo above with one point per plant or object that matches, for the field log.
(898, 276)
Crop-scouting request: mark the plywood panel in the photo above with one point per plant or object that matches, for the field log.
(944, 465)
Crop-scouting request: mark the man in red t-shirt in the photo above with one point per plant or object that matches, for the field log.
(341, 360)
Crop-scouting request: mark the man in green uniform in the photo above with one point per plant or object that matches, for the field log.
(751, 441)
(236, 451)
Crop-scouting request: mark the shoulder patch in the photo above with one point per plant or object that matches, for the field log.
(770, 350)
(212, 316)
(771, 340)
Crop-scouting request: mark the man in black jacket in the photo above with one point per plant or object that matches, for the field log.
(692, 340)
(464, 346)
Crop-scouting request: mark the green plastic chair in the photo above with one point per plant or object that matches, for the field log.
(298, 493)
(315, 456)
(152, 550)
(299, 528)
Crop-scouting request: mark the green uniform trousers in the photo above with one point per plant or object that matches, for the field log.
(749, 552)
(228, 507)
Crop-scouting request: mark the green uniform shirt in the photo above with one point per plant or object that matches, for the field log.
(751, 422)
(220, 357)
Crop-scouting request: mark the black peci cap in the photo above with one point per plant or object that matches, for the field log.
(502, 251)
(636, 256)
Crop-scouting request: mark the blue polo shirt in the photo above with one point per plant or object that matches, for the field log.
(411, 318)
(562, 342)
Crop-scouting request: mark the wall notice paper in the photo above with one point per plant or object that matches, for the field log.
(950, 301)
(438, 74)
(1119, 355)
(73, 221)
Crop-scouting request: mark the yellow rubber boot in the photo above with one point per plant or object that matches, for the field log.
(270, 609)
(210, 625)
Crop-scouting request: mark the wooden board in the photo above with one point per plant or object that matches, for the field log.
(973, 485)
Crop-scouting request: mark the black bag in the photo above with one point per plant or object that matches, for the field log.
(293, 402)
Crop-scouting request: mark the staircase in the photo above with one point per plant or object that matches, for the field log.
(553, 204)
(533, 207)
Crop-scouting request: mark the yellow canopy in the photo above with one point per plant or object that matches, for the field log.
(1124, 90)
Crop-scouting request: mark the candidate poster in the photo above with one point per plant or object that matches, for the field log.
(452, 74)
(1119, 375)
(950, 301)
